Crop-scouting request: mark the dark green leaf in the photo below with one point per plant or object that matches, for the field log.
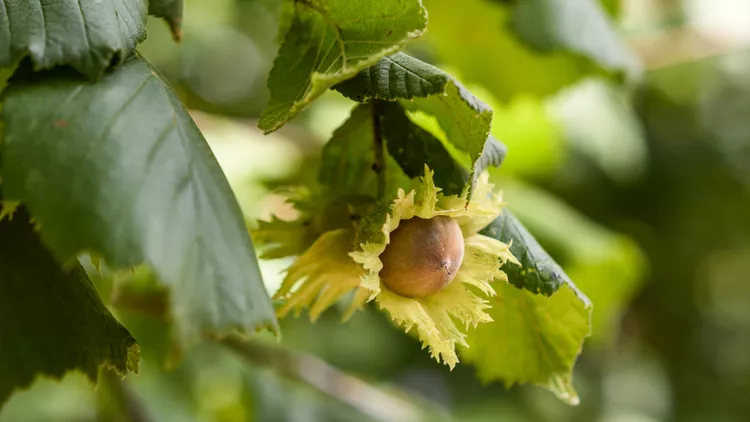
(395, 77)
(493, 155)
(419, 86)
(579, 26)
(538, 273)
(412, 147)
(536, 337)
(347, 159)
(329, 42)
(119, 168)
(171, 11)
(84, 34)
(51, 321)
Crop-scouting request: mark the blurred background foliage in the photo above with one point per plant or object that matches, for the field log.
(636, 179)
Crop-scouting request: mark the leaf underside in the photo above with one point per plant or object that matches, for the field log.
(51, 321)
(537, 337)
(493, 155)
(412, 147)
(419, 86)
(119, 168)
(85, 34)
(330, 42)
(534, 339)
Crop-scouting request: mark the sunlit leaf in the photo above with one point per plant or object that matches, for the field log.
(412, 147)
(465, 118)
(534, 339)
(88, 35)
(329, 42)
(4, 76)
(418, 86)
(347, 159)
(118, 167)
(51, 321)
(606, 266)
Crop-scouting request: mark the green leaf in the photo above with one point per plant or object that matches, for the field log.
(51, 321)
(534, 339)
(465, 118)
(347, 159)
(119, 168)
(418, 86)
(579, 26)
(171, 11)
(607, 267)
(412, 147)
(493, 154)
(329, 42)
(399, 76)
(538, 272)
(85, 34)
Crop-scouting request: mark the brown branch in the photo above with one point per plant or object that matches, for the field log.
(369, 400)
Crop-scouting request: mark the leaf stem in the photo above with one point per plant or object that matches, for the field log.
(377, 141)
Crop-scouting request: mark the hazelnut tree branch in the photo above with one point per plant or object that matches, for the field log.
(369, 400)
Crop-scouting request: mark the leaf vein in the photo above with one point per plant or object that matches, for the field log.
(44, 27)
(337, 31)
(95, 145)
(85, 26)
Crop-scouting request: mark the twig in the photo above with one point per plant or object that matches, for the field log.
(377, 141)
(367, 399)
